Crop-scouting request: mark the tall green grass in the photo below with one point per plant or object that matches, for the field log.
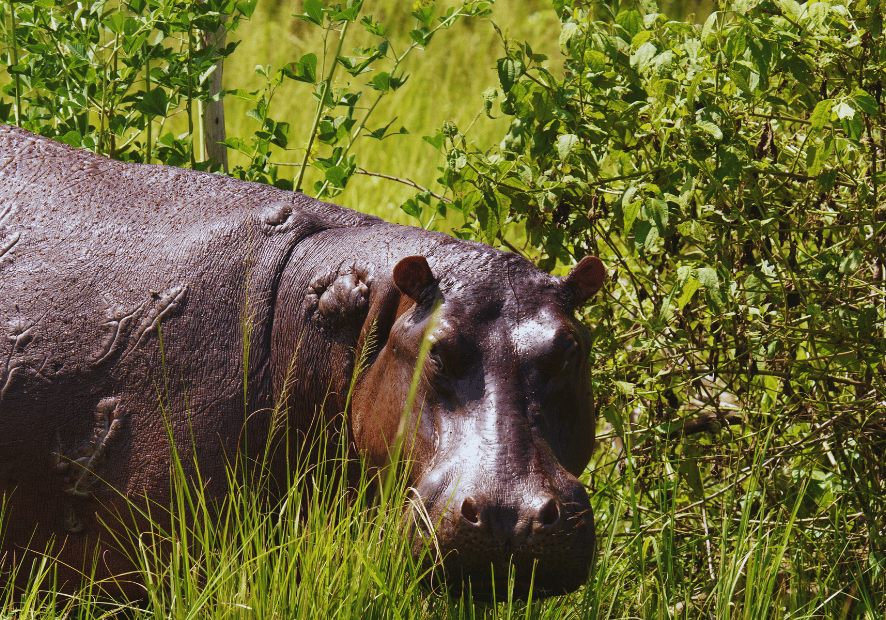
(327, 550)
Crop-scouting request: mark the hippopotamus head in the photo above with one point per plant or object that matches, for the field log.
(502, 422)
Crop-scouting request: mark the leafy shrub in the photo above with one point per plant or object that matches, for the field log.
(101, 75)
(112, 78)
(732, 177)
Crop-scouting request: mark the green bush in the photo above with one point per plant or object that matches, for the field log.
(732, 177)
(102, 75)
(112, 77)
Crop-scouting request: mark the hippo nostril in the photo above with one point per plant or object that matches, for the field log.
(550, 513)
(469, 511)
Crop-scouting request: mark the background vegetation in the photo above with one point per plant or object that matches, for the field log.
(729, 173)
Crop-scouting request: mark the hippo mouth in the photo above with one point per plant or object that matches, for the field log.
(501, 574)
(493, 554)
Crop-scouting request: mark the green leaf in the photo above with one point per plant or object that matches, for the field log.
(489, 96)
(72, 138)
(693, 89)
(817, 13)
(742, 83)
(791, 7)
(709, 128)
(865, 102)
(630, 214)
(435, 141)
(153, 103)
(710, 28)
(659, 211)
(247, 8)
(736, 44)
(852, 126)
(421, 36)
(509, 71)
(690, 473)
(624, 388)
(643, 56)
(686, 284)
(382, 81)
(568, 32)
(116, 23)
(707, 276)
(424, 14)
(305, 70)
(819, 156)
(825, 181)
(566, 144)
(350, 14)
(640, 38)
(280, 134)
(313, 12)
(821, 114)
(630, 20)
(645, 234)
(382, 132)
(456, 159)
(411, 207)
(761, 52)
(373, 26)
(488, 216)
(689, 287)
(79, 51)
(337, 176)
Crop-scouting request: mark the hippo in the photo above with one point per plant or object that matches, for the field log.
(144, 305)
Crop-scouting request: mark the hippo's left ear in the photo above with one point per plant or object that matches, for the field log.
(586, 278)
(411, 275)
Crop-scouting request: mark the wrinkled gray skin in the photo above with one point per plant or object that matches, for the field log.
(96, 254)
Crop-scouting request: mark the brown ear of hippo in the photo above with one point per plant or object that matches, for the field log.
(586, 278)
(411, 275)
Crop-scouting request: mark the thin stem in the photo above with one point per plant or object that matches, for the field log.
(397, 62)
(326, 86)
(147, 91)
(408, 182)
(14, 49)
(191, 93)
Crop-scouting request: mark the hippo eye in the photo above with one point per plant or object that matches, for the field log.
(571, 350)
(434, 359)
(434, 354)
(559, 355)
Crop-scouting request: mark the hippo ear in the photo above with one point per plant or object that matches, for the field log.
(586, 278)
(412, 275)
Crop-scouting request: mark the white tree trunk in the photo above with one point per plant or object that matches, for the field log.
(213, 112)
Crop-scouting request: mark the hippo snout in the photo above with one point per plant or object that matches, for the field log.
(483, 534)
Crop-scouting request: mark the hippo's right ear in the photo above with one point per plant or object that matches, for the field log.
(585, 279)
(412, 275)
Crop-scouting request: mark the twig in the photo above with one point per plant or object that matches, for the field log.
(408, 182)
(704, 423)
(803, 177)
(327, 84)
(511, 246)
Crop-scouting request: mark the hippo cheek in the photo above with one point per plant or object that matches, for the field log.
(541, 530)
(379, 424)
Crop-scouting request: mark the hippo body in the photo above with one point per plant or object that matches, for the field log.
(130, 296)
